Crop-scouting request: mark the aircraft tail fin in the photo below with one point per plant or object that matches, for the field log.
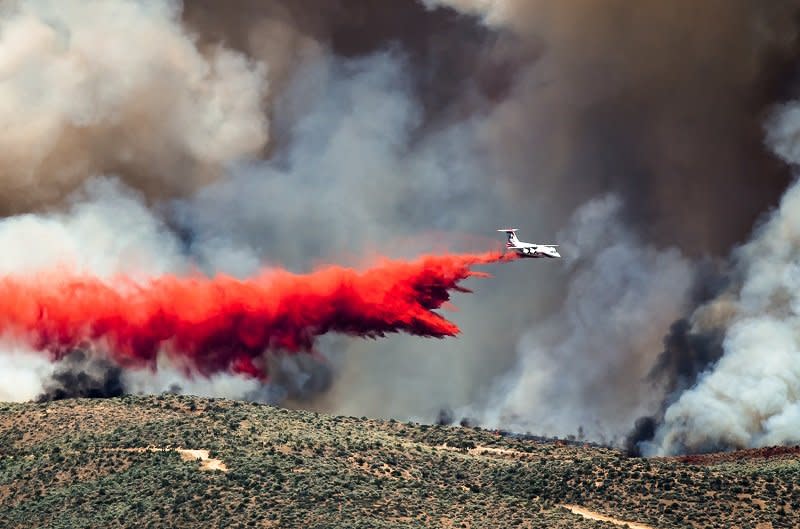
(512, 236)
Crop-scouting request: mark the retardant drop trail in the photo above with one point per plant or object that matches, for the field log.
(226, 324)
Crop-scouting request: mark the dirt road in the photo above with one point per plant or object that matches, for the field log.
(592, 515)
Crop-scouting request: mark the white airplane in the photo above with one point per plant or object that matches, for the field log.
(527, 249)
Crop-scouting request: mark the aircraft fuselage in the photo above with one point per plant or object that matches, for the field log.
(535, 251)
(527, 249)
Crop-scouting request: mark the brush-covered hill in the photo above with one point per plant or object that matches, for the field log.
(141, 462)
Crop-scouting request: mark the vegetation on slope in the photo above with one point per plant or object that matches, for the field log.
(61, 465)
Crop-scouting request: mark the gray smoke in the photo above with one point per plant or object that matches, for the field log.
(581, 137)
(493, 12)
(396, 128)
(751, 396)
(359, 179)
(688, 352)
(681, 141)
(585, 367)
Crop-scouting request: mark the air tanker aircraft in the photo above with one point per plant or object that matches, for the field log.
(527, 249)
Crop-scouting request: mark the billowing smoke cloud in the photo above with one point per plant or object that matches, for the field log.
(357, 142)
(643, 99)
(751, 396)
(585, 367)
(398, 129)
(92, 87)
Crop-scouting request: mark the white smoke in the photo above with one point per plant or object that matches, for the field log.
(584, 368)
(107, 229)
(166, 377)
(97, 86)
(22, 372)
(751, 397)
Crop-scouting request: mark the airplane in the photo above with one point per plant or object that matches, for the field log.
(527, 249)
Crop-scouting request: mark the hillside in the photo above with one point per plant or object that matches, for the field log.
(139, 462)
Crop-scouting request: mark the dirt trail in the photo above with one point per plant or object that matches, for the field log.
(187, 454)
(206, 463)
(592, 515)
(483, 450)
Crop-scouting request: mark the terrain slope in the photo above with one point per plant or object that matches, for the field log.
(176, 461)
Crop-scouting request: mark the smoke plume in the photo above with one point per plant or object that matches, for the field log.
(204, 148)
(643, 99)
(117, 87)
(585, 367)
(78, 375)
(751, 396)
(640, 98)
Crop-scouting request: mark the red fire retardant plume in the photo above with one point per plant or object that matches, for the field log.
(225, 324)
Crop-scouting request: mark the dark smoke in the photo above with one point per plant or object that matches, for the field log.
(661, 102)
(445, 417)
(80, 375)
(689, 350)
(455, 62)
(644, 429)
(687, 353)
(294, 380)
(685, 357)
